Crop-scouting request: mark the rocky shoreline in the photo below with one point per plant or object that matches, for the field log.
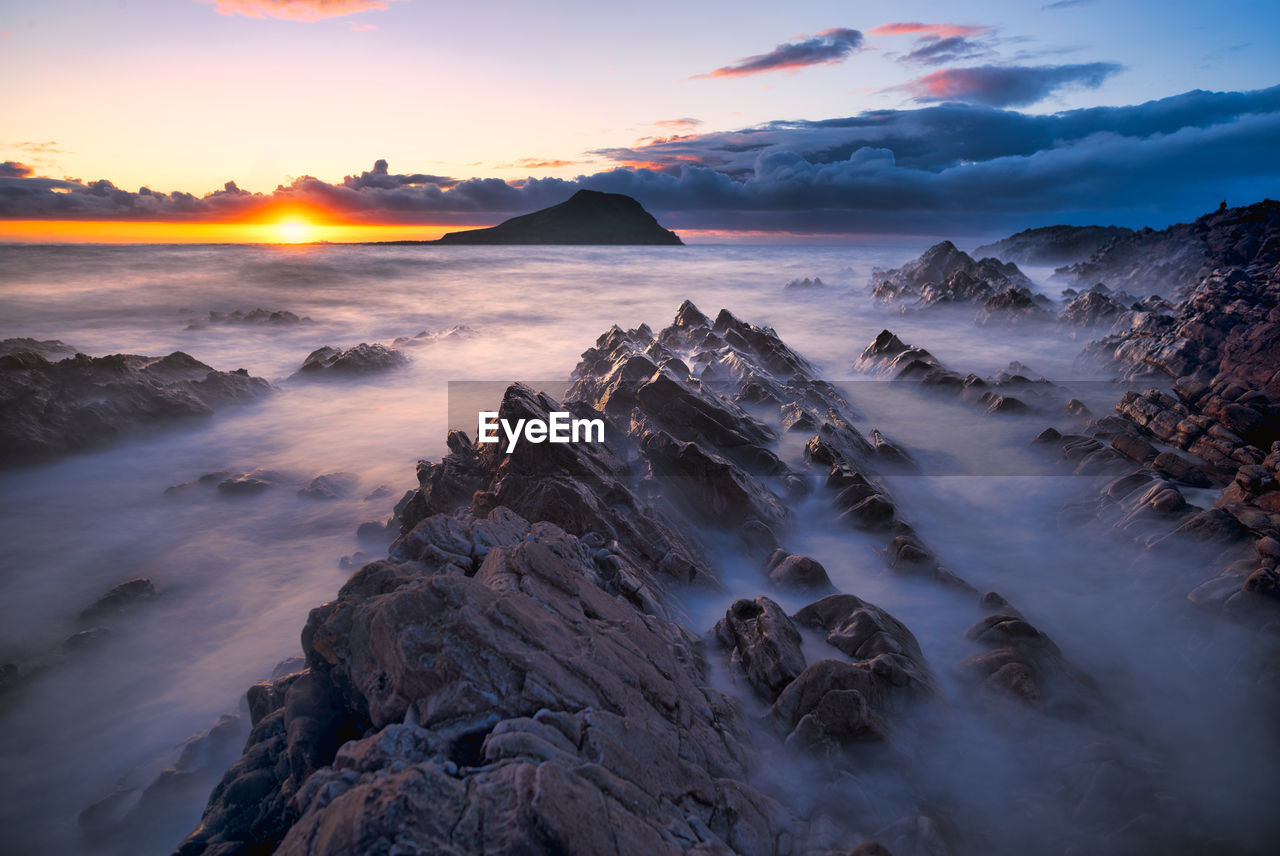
(519, 674)
(532, 665)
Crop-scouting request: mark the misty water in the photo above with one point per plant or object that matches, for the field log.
(237, 575)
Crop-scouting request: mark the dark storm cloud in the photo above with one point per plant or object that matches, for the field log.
(827, 47)
(932, 170)
(1007, 85)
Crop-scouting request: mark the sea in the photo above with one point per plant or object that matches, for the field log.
(83, 738)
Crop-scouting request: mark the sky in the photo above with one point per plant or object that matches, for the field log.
(348, 119)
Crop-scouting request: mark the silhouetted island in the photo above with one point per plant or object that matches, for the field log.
(587, 217)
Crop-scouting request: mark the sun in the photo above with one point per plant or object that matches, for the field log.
(293, 230)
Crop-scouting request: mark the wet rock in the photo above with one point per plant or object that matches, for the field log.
(874, 512)
(50, 349)
(1049, 245)
(246, 484)
(82, 402)
(1092, 308)
(945, 275)
(799, 573)
(1168, 261)
(331, 486)
(1014, 306)
(253, 317)
(1023, 662)
(119, 598)
(361, 359)
(763, 645)
(86, 639)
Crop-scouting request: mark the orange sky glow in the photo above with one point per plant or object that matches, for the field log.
(274, 225)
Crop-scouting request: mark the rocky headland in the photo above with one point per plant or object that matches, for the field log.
(1053, 245)
(1169, 262)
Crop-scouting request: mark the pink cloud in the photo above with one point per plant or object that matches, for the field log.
(915, 28)
(825, 48)
(297, 10)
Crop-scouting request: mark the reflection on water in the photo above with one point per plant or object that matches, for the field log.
(237, 574)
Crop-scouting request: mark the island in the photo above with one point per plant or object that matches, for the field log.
(587, 217)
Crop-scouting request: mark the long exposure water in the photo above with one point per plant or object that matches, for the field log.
(236, 576)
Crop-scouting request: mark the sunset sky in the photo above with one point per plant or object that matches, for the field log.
(800, 118)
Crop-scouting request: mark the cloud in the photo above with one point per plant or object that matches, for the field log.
(1065, 4)
(825, 48)
(1007, 85)
(380, 178)
(939, 31)
(936, 170)
(535, 163)
(935, 51)
(13, 169)
(48, 147)
(682, 124)
(297, 10)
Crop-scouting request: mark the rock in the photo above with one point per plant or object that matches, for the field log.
(331, 486)
(119, 598)
(1091, 308)
(50, 349)
(83, 402)
(246, 484)
(517, 674)
(763, 645)
(803, 284)
(799, 573)
(362, 359)
(254, 317)
(1023, 663)
(1011, 307)
(871, 513)
(1078, 409)
(944, 275)
(1170, 260)
(86, 639)
(1053, 245)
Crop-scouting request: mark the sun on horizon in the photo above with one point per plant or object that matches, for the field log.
(293, 230)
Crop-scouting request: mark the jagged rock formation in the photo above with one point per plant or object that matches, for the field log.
(944, 275)
(252, 318)
(1013, 307)
(517, 675)
(513, 676)
(1170, 261)
(361, 359)
(1053, 245)
(1220, 427)
(1227, 327)
(587, 217)
(888, 355)
(1092, 308)
(80, 402)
